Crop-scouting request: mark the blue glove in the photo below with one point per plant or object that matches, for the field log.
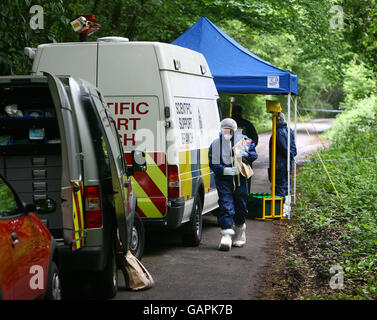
(230, 171)
(244, 154)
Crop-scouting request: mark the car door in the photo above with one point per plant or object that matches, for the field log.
(72, 184)
(31, 244)
(10, 211)
(22, 246)
(6, 263)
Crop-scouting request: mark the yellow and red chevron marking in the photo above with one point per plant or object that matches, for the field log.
(151, 186)
(77, 217)
(193, 164)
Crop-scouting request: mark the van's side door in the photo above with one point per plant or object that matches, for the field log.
(71, 182)
(120, 198)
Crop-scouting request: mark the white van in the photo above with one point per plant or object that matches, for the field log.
(164, 101)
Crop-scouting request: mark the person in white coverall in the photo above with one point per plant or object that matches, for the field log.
(232, 188)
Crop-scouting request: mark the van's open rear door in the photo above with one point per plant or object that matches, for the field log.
(120, 198)
(71, 182)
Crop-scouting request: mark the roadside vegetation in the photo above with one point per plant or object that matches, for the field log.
(334, 225)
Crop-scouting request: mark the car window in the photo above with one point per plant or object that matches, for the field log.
(9, 203)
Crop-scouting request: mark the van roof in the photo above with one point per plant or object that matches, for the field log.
(170, 57)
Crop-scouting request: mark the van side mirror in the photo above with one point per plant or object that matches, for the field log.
(139, 162)
(45, 205)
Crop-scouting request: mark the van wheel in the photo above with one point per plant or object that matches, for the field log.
(137, 241)
(54, 290)
(192, 230)
(107, 280)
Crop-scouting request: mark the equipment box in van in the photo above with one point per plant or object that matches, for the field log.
(60, 149)
(164, 101)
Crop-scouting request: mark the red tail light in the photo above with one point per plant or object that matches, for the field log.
(93, 212)
(173, 180)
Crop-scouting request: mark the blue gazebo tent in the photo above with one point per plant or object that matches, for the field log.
(233, 67)
(236, 70)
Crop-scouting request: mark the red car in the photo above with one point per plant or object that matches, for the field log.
(27, 266)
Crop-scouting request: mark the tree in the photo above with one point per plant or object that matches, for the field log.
(360, 29)
(17, 33)
(295, 35)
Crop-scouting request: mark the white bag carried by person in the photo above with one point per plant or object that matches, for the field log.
(241, 166)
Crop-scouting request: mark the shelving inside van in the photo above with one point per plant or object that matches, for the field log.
(30, 152)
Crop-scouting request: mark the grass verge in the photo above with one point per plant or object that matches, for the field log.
(329, 248)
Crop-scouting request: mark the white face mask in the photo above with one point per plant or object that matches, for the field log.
(227, 137)
(227, 134)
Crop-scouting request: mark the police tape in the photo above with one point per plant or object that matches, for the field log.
(334, 160)
(311, 160)
(321, 110)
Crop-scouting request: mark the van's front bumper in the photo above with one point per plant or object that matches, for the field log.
(173, 218)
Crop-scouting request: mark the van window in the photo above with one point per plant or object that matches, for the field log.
(97, 135)
(123, 163)
(118, 147)
(112, 123)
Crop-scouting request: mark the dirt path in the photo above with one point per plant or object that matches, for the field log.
(282, 281)
(205, 273)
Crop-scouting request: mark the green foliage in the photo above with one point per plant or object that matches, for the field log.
(254, 109)
(16, 33)
(360, 29)
(358, 83)
(293, 34)
(8, 204)
(353, 124)
(343, 230)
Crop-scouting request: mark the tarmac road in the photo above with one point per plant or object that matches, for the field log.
(204, 272)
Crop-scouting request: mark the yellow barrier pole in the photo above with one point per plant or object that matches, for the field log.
(273, 164)
(231, 100)
(274, 108)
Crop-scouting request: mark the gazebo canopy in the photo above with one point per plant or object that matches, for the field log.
(234, 68)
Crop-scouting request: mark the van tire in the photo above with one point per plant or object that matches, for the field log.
(137, 242)
(192, 230)
(88, 284)
(107, 280)
(54, 289)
